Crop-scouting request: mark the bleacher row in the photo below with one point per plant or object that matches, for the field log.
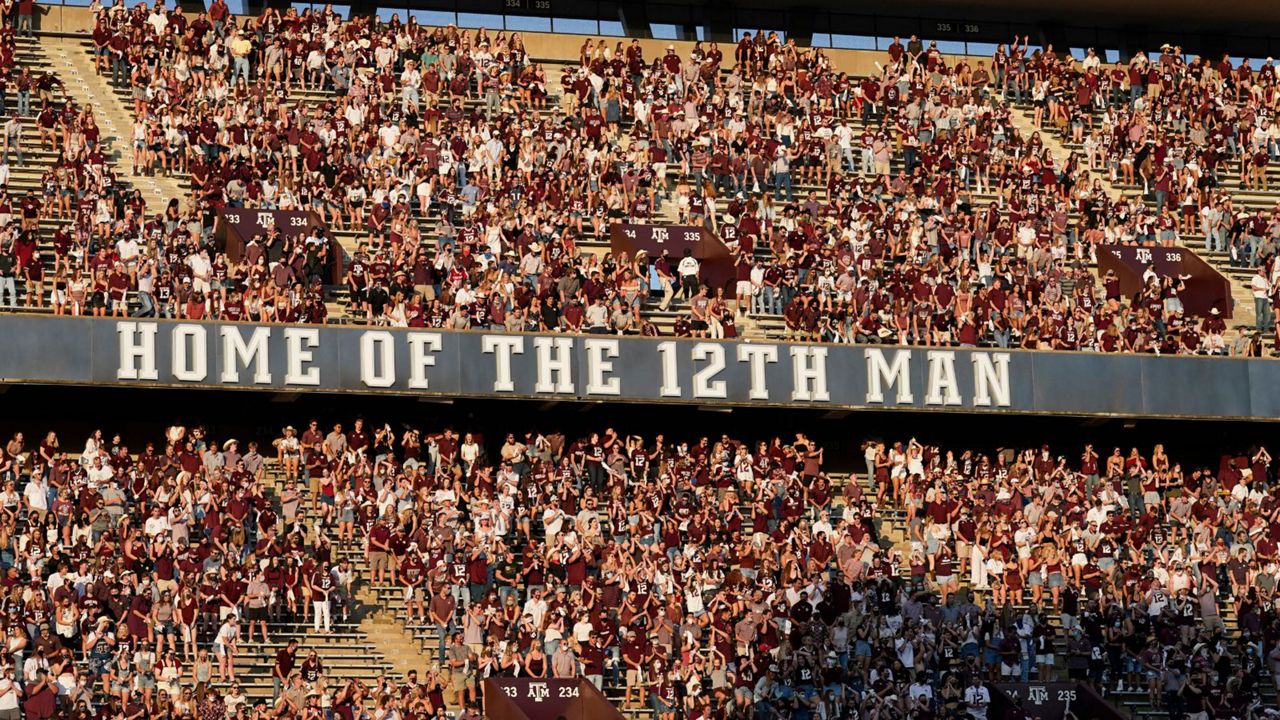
(869, 513)
(891, 321)
(348, 650)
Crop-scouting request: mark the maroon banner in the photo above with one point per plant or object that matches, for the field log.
(1049, 701)
(1206, 288)
(235, 227)
(508, 698)
(714, 257)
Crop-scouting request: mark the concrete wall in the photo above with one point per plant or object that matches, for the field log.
(64, 19)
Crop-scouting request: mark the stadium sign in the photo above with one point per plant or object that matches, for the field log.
(628, 369)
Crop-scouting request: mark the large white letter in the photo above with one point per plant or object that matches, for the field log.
(991, 378)
(377, 358)
(421, 345)
(502, 346)
(881, 373)
(703, 385)
(809, 374)
(598, 367)
(756, 356)
(560, 364)
(190, 366)
(237, 352)
(670, 372)
(942, 376)
(137, 351)
(296, 371)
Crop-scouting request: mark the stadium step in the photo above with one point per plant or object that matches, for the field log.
(115, 118)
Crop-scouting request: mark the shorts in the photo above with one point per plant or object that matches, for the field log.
(1055, 580)
(461, 681)
(378, 560)
(256, 614)
(744, 288)
(1045, 659)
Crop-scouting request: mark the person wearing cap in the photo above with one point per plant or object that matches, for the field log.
(461, 662)
(11, 695)
(413, 573)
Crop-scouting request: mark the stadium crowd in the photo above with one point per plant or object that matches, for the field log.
(901, 208)
(708, 578)
(1196, 134)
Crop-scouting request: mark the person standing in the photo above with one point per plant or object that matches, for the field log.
(286, 658)
(26, 18)
(1261, 288)
(10, 696)
(321, 588)
(8, 276)
(688, 269)
(977, 698)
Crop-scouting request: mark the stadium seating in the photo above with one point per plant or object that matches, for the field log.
(739, 545)
(895, 307)
(955, 205)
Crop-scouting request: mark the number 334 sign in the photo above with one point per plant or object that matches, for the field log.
(530, 6)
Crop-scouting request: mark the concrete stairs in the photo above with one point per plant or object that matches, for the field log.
(347, 651)
(387, 634)
(115, 119)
